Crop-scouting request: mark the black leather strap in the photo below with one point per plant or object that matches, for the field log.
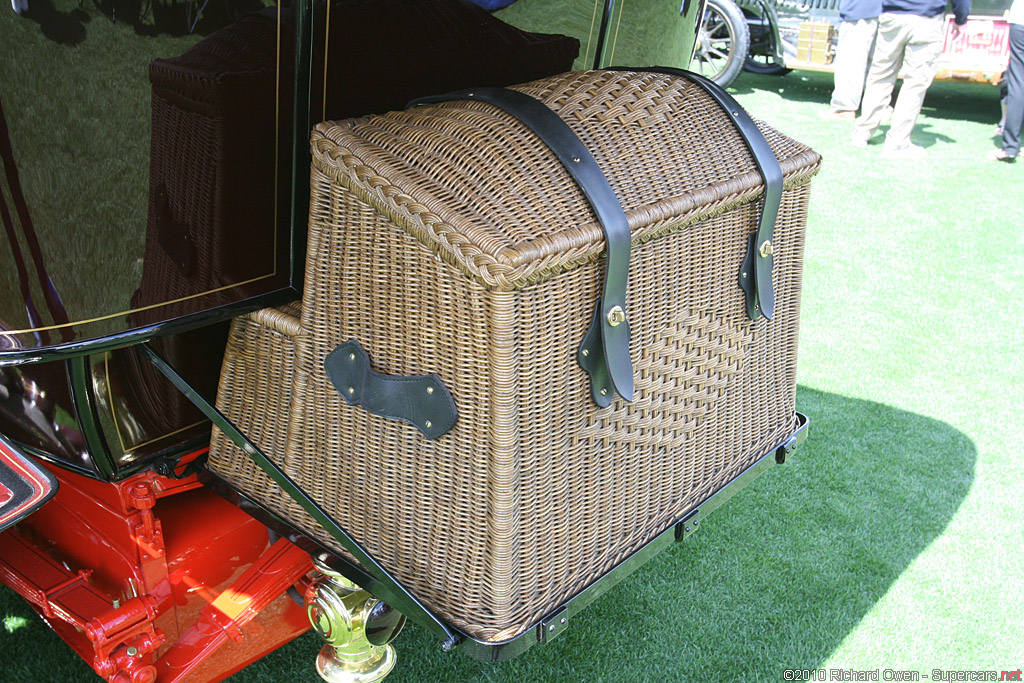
(755, 276)
(173, 235)
(423, 401)
(604, 353)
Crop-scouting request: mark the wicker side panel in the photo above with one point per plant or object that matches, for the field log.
(254, 393)
(431, 511)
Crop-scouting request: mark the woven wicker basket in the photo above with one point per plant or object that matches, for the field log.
(448, 240)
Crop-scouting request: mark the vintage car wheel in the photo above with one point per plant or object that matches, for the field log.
(723, 42)
(764, 64)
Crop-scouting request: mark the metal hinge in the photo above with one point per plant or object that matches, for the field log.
(793, 442)
(168, 466)
(553, 625)
(688, 525)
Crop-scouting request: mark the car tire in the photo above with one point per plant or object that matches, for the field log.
(723, 42)
(764, 64)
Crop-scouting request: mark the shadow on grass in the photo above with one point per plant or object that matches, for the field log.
(65, 28)
(149, 18)
(924, 135)
(945, 100)
(775, 580)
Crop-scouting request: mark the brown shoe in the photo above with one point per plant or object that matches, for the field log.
(841, 114)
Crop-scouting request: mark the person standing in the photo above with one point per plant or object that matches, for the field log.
(1013, 77)
(857, 29)
(910, 36)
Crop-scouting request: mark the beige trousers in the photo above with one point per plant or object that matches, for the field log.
(907, 43)
(853, 54)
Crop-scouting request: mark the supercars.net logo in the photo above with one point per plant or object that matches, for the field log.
(818, 675)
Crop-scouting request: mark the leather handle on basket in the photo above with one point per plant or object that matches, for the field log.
(172, 235)
(421, 400)
(755, 276)
(604, 352)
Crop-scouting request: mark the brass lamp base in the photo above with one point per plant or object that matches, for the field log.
(341, 665)
(348, 618)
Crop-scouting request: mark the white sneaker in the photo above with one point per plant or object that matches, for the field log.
(858, 140)
(908, 151)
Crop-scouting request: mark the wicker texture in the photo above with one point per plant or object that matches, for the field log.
(258, 371)
(210, 105)
(448, 240)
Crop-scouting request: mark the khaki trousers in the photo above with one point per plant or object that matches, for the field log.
(906, 42)
(853, 54)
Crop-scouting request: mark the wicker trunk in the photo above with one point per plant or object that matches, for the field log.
(447, 239)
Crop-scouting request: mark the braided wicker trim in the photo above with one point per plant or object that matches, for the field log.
(380, 180)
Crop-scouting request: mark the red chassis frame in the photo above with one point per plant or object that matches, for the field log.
(141, 592)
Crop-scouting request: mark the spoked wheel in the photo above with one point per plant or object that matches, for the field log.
(761, 54)
(723, 42)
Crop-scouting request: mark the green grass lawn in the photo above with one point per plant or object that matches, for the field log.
(893, 538)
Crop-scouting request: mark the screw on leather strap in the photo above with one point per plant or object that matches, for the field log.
(756, 270)
(604, 352)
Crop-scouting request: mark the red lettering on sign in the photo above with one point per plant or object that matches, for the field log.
(981, 37)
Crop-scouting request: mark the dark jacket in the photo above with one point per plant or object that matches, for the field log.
(855, 10)
(928, 8)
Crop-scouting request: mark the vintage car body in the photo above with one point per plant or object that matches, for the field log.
(113, 315)
(775, 36)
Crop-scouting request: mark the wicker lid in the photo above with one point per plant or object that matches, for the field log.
(483, 192)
